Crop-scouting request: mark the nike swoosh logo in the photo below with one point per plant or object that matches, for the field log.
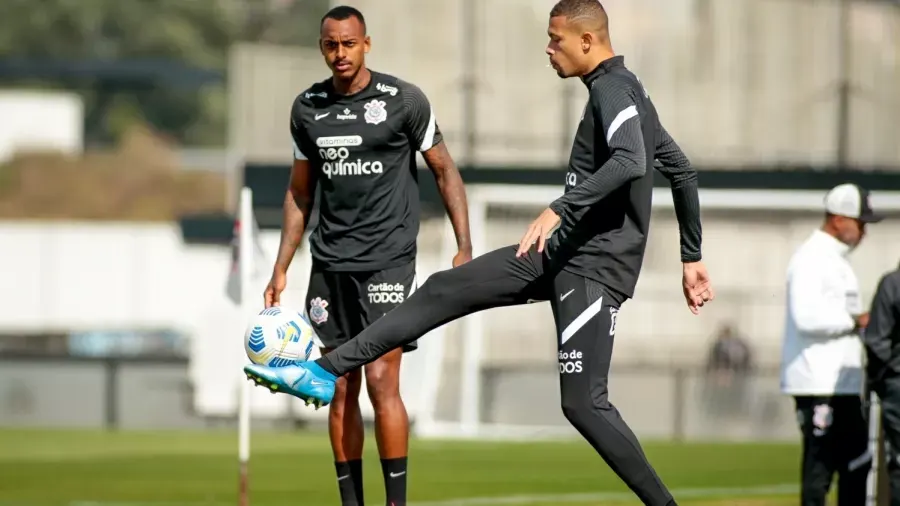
(563, 296)
(397, 475)
(344, 477)
(320, 116)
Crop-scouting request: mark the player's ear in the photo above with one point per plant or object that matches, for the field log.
(587, 39)
(367, 44)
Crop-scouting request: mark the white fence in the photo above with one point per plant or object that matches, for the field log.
(63, 277)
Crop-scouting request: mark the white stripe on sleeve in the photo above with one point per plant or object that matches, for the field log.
(428, 138)
(623, 116)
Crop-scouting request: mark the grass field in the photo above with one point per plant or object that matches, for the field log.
(89, 468)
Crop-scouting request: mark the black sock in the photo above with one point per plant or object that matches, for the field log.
(326, 364)
(350, 482)
(394, 480)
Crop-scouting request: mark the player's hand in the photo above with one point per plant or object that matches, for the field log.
(696, 286)
(862, 321)
(462, 257)
(538, 232)
(272, 295)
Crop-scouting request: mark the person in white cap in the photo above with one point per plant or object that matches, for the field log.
(822, 353)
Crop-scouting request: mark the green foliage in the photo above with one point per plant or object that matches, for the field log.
(193, 33)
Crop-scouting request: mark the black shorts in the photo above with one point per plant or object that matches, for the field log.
(340, 305)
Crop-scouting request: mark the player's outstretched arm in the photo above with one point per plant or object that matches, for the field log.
(453, 193)
(675, 166)
(425, 135)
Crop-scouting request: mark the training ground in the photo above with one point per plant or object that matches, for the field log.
(90, 468)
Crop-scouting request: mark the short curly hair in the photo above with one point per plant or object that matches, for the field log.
(589, 13)
(342, 12)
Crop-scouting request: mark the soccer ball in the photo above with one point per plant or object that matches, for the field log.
(277, 337)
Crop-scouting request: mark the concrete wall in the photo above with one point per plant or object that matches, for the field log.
(77, 276)
(737, 83)
(747, 254)
(72, 276)
(661, 403)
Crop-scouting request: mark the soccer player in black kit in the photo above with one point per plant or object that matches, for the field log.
(355, 140)
(589, 249)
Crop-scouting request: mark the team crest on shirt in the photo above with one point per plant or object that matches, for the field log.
(375, 112)
(317, 312)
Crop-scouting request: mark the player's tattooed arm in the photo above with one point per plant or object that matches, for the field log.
(298, 203)
(425, 134)
(453, 193)
(298, 200)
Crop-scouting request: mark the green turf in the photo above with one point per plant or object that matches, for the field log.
(57, 468)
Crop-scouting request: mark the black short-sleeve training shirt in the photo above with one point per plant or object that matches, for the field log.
(362, 148)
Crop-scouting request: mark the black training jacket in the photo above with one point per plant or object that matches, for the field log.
(605, 210)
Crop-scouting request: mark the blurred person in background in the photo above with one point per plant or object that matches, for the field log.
(355, 138)
(729, 352)
(882, 342)
(727, 371)
(822, 353)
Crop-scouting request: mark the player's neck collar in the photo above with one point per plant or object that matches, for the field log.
(604, 67)
(331, 88)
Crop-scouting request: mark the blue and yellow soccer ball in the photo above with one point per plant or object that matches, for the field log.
(278, 336)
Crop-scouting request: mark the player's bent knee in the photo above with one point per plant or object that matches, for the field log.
(577, 413)
(579, 406)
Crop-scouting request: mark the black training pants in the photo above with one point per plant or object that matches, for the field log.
(835, 441)
(585, 313)
(890, 412)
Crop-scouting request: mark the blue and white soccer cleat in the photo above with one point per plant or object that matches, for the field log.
(305, 380)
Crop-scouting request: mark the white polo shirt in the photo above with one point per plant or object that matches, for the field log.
(822, 353)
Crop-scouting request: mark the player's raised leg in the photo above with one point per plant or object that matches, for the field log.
(495, 279)
(585, 313)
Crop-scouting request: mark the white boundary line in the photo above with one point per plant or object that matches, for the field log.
(687, 493)
(512, 500)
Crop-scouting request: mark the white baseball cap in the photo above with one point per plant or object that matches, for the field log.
(851, 201)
